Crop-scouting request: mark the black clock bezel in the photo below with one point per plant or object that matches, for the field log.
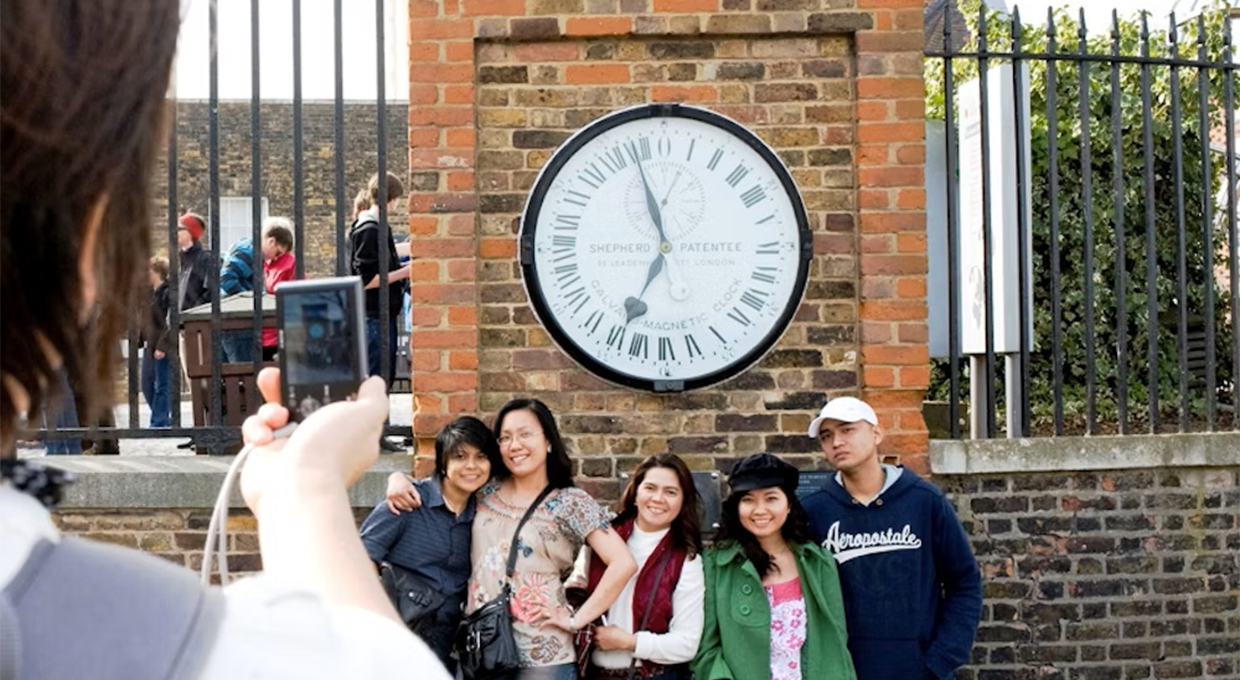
(529, 269)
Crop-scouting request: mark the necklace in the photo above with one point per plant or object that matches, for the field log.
(513, 503)
(46, 484)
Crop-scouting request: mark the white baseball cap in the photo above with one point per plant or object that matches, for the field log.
(845, 410)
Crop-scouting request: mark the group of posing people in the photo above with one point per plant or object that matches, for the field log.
(870, 577)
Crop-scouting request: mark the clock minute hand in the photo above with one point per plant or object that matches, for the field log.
(652, 205)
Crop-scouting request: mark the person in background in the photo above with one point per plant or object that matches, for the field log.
(879, 520)
(62, 413)
(361, 203)
(83, 116)
(156, 341)
(364, 262)
(773, 604)
(433, 541)
(237, 276)
(653, 628)
(196, 262)
(279, 265)
(364, 253)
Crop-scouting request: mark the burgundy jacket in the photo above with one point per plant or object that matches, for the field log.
(660, 618)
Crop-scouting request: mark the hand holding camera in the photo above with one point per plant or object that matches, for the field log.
(331, 448)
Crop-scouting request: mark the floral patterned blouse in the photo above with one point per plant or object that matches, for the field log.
(787, 629)
(548, 545)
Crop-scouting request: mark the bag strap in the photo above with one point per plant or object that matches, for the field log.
(512, 551)
(658, 578)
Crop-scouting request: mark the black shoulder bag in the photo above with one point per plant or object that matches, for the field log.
(485, 641)
(416, 601)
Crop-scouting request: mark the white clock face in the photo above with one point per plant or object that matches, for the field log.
(665, 247)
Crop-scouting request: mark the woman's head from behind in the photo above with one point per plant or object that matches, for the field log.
(466, 454)
(661, 495)
(762, 504)
(530, 442)
(81, 113)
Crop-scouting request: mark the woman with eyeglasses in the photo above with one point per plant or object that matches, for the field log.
(535, 458)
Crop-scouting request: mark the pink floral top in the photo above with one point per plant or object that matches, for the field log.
(787, 629)
(548, 545)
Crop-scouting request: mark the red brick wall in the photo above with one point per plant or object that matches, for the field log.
(834, 86)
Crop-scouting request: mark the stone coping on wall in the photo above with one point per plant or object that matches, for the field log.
(1127, 452)
(112, 482)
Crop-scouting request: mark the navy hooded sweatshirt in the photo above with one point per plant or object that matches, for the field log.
(912, 588)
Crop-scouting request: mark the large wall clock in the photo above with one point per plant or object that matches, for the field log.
(665, 247)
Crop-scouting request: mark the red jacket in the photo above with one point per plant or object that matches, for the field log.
(282, 268)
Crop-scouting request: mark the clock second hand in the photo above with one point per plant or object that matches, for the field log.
(676, 286)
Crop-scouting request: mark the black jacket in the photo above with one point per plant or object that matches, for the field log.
(364, 262)
(156, 334)
(196, 267)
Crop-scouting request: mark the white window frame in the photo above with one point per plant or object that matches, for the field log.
(236, 220)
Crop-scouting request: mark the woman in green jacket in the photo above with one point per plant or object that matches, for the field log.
(773, 604)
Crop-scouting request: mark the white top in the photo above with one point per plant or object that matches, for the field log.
(269, 630)
(679, 644)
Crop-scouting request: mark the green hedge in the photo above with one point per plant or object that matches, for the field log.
(1072, 208)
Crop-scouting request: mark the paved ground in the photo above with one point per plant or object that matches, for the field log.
(401, 414)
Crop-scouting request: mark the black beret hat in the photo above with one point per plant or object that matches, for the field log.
(763, 471)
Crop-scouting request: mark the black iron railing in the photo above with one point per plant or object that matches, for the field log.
(1056, 385)
(215, 436)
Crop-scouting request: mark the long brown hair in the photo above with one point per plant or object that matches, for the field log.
(81, 118)
(687, 529)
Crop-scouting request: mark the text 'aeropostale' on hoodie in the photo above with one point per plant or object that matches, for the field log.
(912, 588)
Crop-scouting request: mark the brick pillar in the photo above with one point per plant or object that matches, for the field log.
(443, 223)
(835, 88)
(891, 202)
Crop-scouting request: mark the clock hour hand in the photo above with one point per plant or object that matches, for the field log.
(634, 306)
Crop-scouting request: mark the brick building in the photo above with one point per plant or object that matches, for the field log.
(835, 89)
(1103, 557)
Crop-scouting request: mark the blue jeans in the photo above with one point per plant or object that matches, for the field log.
(236, 347)
(65, 417)
(374, 328)
(155, 388)
(564, 671)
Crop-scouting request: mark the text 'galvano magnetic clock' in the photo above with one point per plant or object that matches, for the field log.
(665, 247)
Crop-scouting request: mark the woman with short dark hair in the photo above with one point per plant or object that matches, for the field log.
(427, 550)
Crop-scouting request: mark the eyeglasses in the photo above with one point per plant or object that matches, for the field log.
(524, 437)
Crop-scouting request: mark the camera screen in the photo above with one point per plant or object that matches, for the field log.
(317, 338)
